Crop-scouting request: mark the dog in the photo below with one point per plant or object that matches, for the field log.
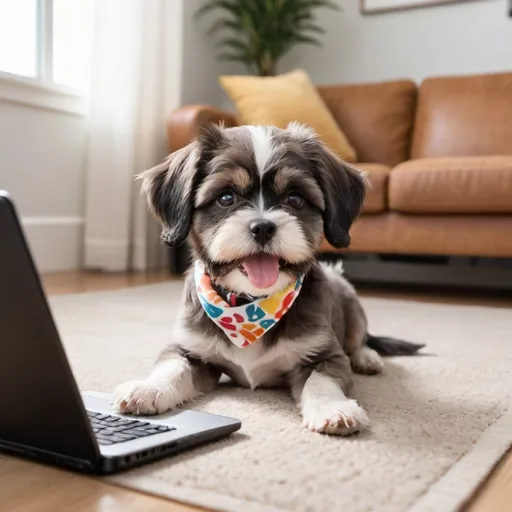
(255, 203)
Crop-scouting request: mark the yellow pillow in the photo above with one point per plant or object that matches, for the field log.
(278, 100)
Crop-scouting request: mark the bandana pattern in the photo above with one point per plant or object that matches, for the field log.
(246, 323)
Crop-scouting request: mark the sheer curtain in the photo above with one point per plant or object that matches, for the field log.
(136, 77)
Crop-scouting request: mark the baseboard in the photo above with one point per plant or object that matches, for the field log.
(106, 255)
(56, 243)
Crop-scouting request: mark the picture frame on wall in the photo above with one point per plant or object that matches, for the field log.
(382, 6)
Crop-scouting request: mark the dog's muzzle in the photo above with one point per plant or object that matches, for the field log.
(263, 231)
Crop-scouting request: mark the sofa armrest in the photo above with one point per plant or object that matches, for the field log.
(184, 123)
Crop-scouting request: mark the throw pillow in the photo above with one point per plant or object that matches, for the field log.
(278, 100)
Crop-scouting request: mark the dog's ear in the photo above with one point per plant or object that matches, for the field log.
(343, 186)
(168, 188)
(344, 189)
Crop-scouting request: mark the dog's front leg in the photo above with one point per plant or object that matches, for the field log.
(320, 391)
(175, 379)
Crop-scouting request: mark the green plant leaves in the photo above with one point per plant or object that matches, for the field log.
(260, 32)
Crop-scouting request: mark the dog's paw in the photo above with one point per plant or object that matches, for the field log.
(338, 417)
(144, 397)
(366, 361)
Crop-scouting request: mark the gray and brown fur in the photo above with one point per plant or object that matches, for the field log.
(325, 332)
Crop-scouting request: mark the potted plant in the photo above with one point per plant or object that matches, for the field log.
(260, 32)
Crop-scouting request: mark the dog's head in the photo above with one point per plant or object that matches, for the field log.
(256, 202)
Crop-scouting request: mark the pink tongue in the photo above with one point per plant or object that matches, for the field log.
(262, 270)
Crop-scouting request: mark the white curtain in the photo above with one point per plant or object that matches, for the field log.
(136, 77)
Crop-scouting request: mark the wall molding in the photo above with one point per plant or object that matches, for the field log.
(56, 242)
(26, 91)
(106, 254)
(53, 221)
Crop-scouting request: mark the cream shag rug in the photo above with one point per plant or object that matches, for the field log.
(440, 421)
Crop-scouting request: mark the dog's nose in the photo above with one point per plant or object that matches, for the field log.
(262, 230)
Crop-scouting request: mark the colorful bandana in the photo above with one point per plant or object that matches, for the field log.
(245, 323)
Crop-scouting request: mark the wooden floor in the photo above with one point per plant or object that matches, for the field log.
(29, 487)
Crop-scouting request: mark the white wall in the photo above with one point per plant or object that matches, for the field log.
(201, 68)
(470, 37)
(42, 166)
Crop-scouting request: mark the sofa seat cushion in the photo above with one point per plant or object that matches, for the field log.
(452, 185)
(451, 235)
(376, 196)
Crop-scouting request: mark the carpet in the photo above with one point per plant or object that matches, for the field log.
(440, 421)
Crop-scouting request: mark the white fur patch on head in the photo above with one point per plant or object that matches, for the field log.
(262, 146)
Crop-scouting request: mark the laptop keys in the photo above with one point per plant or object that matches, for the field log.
(113, 429)
(120, 437)
(154, 431)
(124, 423)
(138, 432)
(112, 419)
(105, 441)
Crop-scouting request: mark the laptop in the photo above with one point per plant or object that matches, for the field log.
(44, 415)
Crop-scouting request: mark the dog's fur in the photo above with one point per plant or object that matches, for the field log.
(323, 338)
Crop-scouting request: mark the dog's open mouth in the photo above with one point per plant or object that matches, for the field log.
(261, 269)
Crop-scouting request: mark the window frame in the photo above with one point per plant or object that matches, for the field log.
(40, 91)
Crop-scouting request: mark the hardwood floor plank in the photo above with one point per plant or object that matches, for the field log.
(79, 282)
(496, 493)
(29, 487)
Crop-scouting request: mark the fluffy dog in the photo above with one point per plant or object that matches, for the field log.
(255, 203)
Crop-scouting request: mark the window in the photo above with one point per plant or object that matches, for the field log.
(18, 37)
(47, 43)
(72, 42)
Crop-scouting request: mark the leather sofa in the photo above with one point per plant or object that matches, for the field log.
(438, 157)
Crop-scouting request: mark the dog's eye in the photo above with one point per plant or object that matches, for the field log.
(226, 198)
(294, 200)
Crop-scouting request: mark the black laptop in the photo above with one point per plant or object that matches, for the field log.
(44, 416)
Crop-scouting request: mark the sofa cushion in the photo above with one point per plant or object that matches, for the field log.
(376, 196)
(279, 100)
(377, 118)
(461, 235)
(452, 185)
(464, 116)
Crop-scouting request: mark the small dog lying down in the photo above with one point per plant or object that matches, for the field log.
(255, 203)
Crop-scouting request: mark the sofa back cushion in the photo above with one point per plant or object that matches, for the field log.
(464, 116)
(377, 118)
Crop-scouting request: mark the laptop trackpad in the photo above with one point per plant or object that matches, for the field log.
(184, 418)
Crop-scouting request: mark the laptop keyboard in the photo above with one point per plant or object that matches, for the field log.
(113, 429)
